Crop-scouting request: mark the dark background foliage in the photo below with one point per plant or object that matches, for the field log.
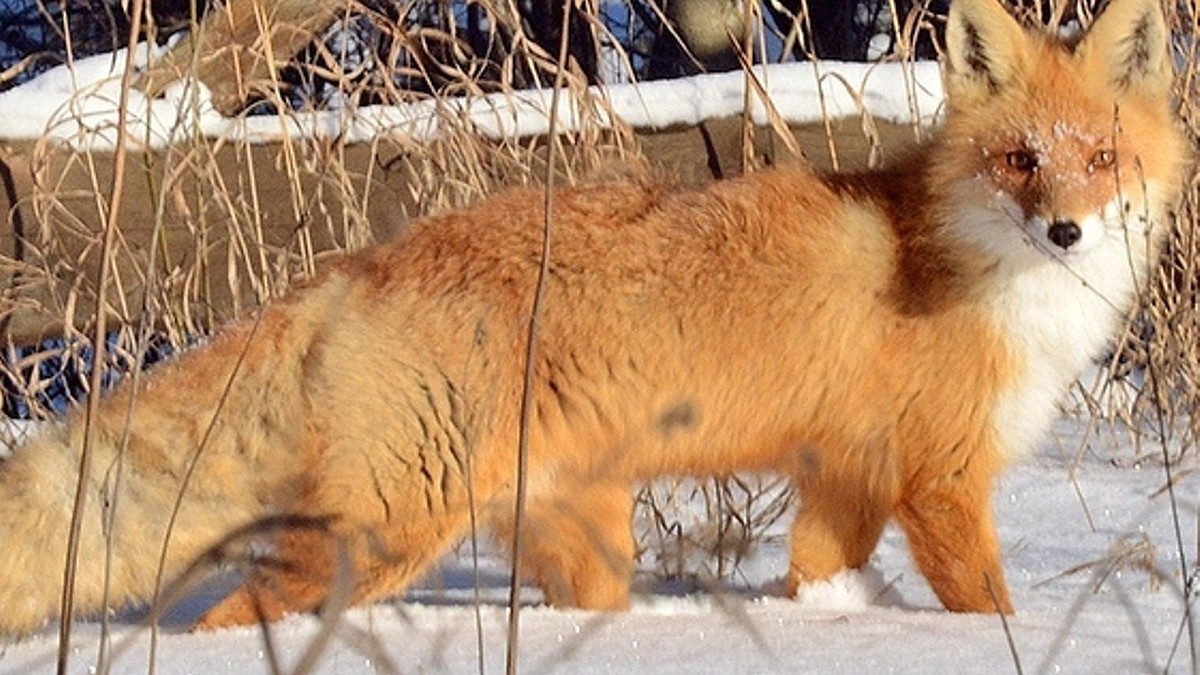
(39, 34)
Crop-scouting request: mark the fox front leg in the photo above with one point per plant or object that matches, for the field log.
(953, 539)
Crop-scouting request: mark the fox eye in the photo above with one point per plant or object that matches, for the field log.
(1021, 160)
(1103, 159)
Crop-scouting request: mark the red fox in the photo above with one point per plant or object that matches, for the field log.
(889, 340)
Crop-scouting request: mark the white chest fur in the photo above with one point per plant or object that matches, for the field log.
(1057, 316)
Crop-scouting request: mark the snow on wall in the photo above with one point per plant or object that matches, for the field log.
(78, 104)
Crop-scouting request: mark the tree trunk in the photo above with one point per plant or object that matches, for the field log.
(237, 49)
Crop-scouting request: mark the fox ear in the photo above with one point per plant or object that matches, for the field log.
(986, 47)
(1128, 44)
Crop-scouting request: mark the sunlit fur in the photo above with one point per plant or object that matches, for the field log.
(888, 340)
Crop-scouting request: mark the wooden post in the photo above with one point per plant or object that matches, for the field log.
(238, 48)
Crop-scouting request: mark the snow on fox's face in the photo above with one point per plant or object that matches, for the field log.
(1057, 183)
(1056, 179)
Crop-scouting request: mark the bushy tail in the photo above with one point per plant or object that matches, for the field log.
(216, 441)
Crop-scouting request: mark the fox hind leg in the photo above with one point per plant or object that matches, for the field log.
(310, 568)
(280, 585)
(842, 514)
(367, 551)
(578, 545)
(832, 533)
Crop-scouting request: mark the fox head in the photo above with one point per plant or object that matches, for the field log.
(1054, 146)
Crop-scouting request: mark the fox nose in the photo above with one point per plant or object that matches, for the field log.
(1064, 233)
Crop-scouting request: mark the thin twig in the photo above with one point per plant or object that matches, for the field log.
(539, 293)
(1008, 636)
(116, 190)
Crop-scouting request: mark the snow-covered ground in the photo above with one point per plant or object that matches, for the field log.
(1090, 553)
